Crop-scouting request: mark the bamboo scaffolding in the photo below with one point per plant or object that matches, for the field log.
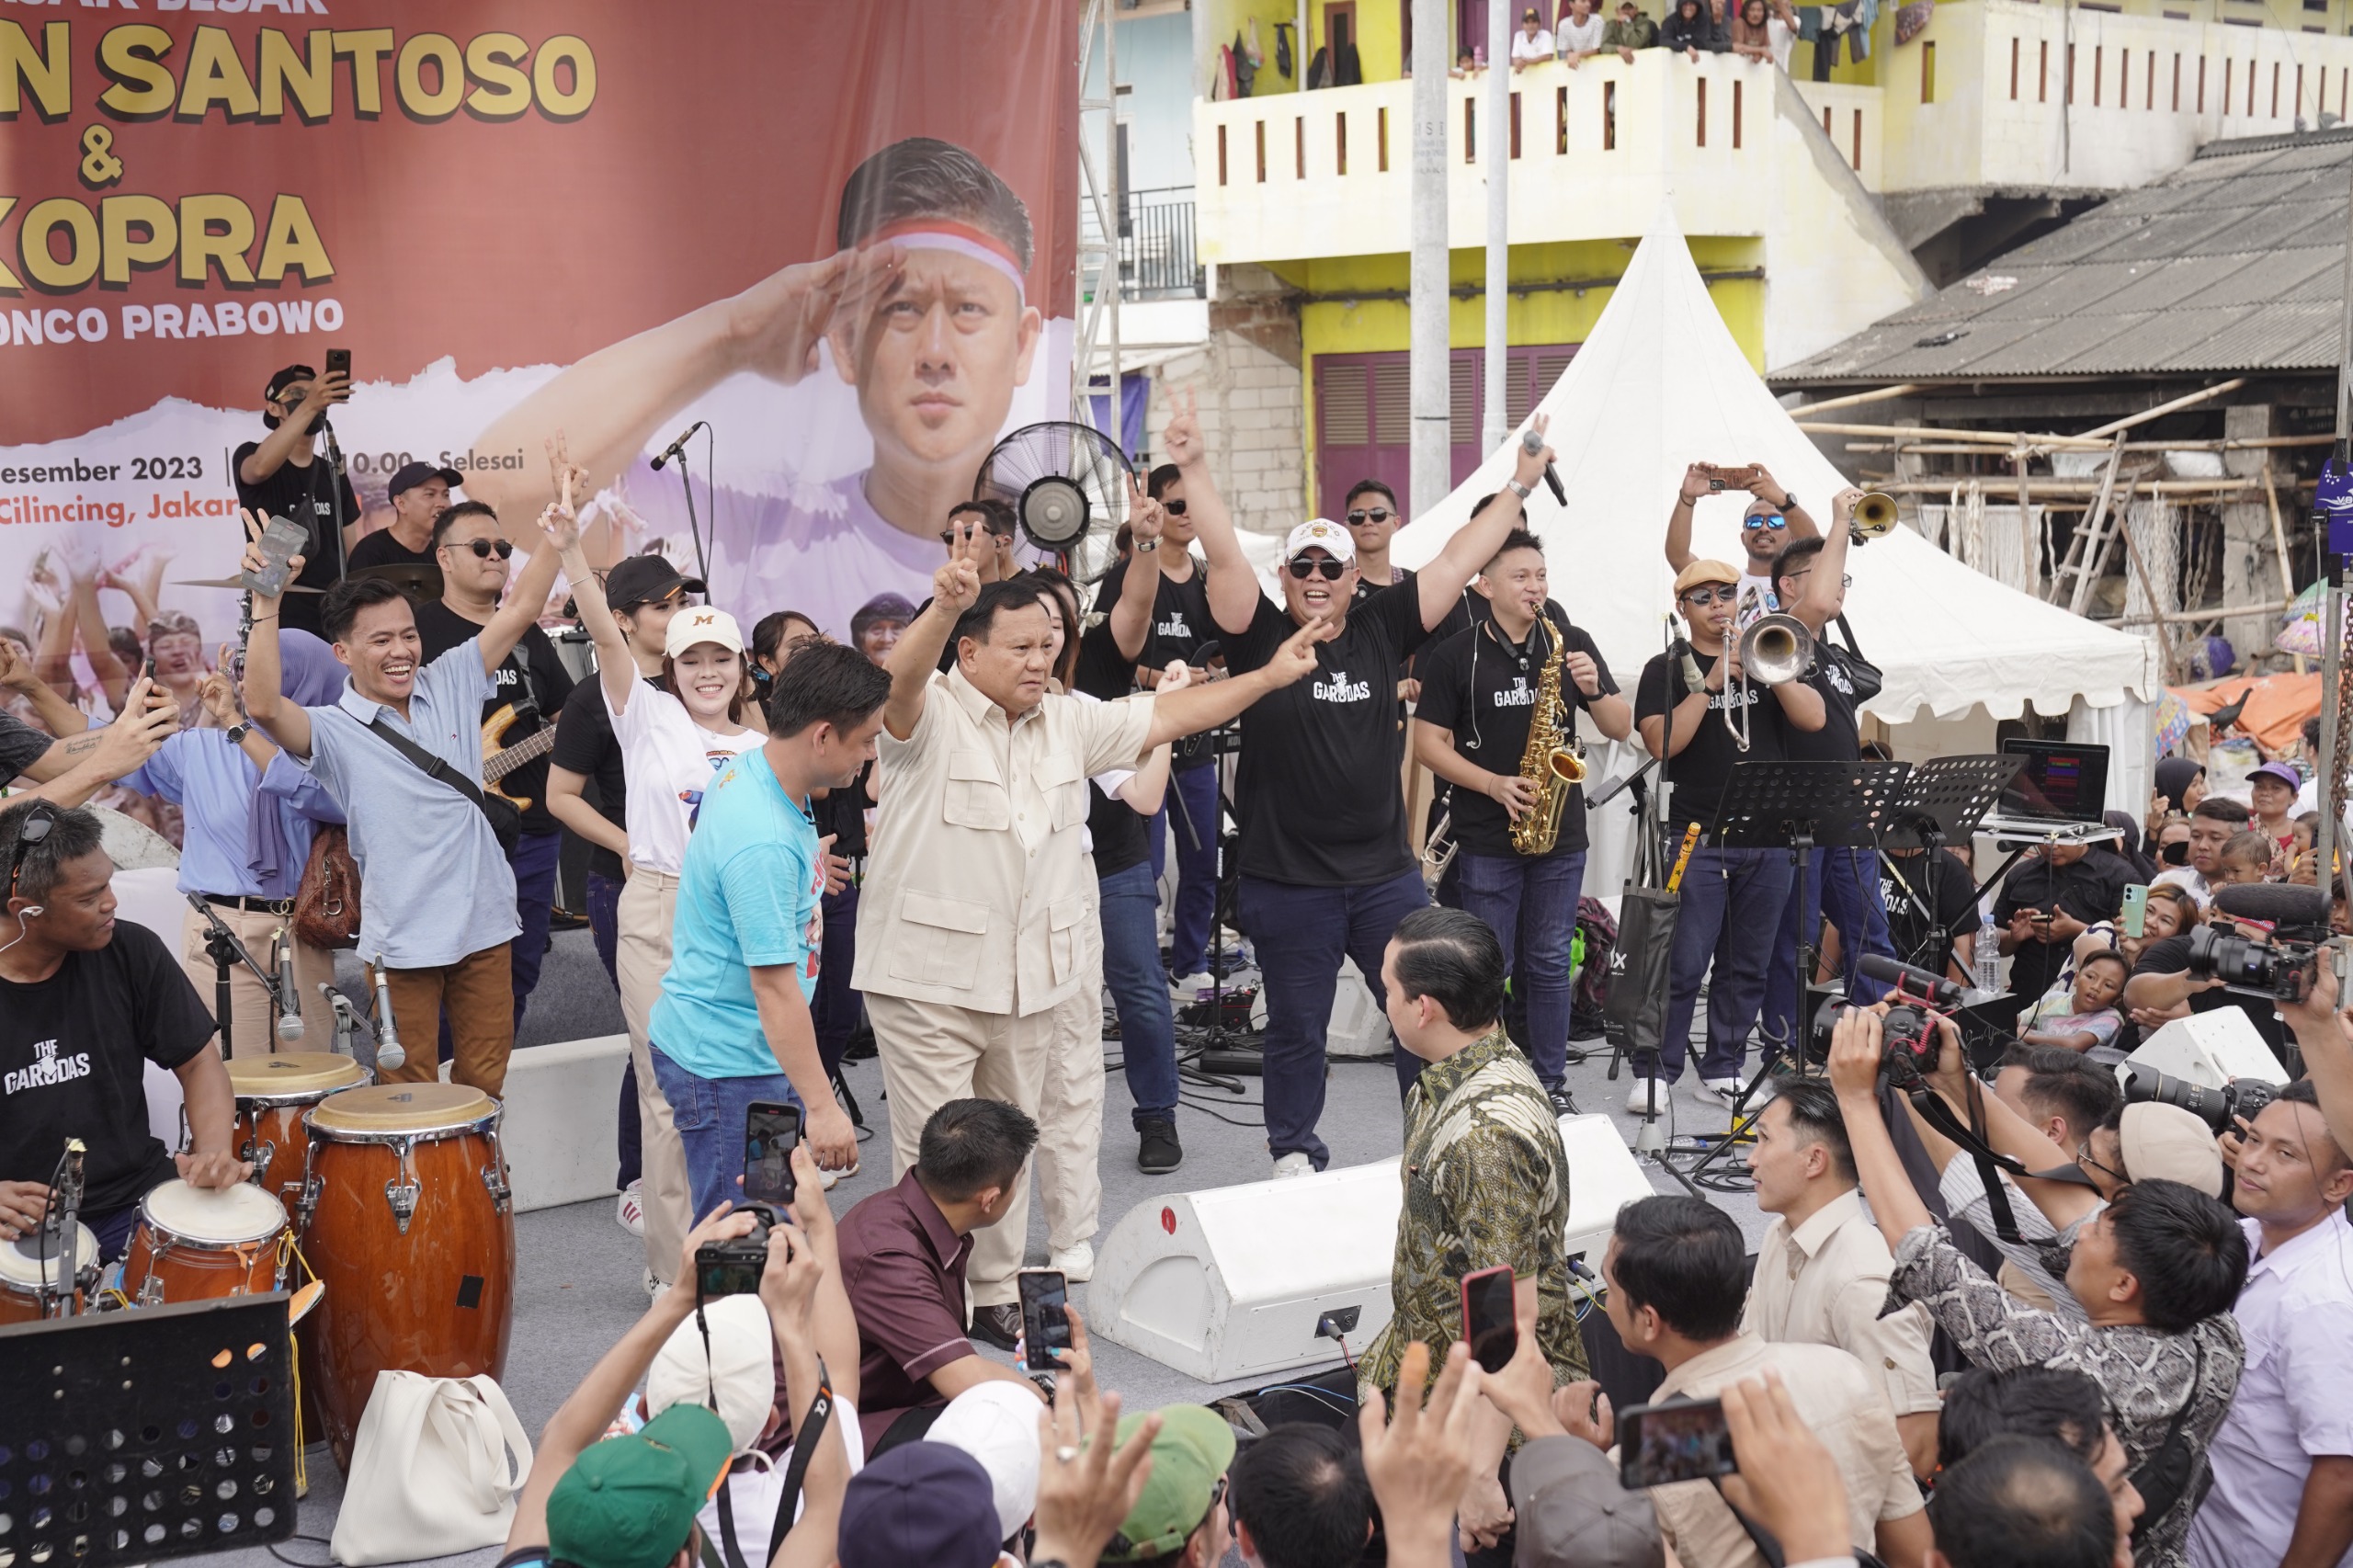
(1851, 400)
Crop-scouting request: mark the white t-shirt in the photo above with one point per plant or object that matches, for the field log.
(1575, 38)
(755, 1484)
(2190, 879)
(1111, 780)
(1757, 600)
(668, 759)
(1526, 47)
(1782, 39)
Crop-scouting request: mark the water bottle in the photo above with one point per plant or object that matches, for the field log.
(1989, 953)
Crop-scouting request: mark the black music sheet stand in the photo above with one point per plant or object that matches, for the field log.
(1941, 804)
(1799, 807)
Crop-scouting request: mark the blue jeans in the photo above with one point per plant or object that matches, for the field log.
(835, 1009)
(1729, 918)
(1194, 826)
(112, 1230)
(1300, 935)
(708, 1114)
(1532, 904)
(534, 864)
(1131, 907)
(1844, 885)
(604, 925)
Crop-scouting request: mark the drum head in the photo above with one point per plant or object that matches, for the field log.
(401, 1107)
(293, 1074)
(230, 1215)
(20, 1260)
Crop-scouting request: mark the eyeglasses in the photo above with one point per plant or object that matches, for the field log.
(1723, 595)
(1764, 521)
(483, 547)
(1370, 515)
(1331, 570)
(1844, 581)
(36, 826)
(1173, 508)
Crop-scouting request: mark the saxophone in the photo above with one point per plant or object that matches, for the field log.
(1552, 762)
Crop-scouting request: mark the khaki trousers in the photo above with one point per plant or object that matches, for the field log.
(932, 1053)
(1070, 1119)
(479, 992)
(253, 1017)
(649, 902)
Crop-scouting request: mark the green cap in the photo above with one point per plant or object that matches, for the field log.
(631, 1501)
(1195, 1447)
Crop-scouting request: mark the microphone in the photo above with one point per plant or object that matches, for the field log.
(1919, 985)
(674, 447)
(1531, 443)
(2288, 904)
(1693, 681)
(389, 1054)
(289, 1006)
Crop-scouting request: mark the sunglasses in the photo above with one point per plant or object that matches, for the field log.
(484, 548)
(1173, 508)
(1370, 515)
(1331, 570)
(1724, 595)
(947, 535)
(35, 828)
(1764, 521)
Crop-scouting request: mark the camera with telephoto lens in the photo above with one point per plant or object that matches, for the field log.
(2275, 969)
(2216, 1108)
(734, 1267)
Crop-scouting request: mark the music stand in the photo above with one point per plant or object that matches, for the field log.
(1942, 803)
(1799, 807)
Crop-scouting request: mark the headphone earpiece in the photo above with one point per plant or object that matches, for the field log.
(32, 910)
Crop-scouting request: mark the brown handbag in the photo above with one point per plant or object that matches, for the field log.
(327, 904)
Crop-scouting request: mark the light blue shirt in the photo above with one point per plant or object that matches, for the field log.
(434, 886)
(748, 897)
(218, 789)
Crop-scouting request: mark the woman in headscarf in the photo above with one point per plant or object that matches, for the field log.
(2181, 784)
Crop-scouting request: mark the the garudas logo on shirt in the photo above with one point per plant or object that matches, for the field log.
(1518, 697)
(48, 1068)
(1175, 625)
(1338, 687)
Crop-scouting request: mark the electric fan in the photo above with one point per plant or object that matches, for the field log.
(1067, 484)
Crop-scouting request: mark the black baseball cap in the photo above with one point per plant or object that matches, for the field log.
(287, 378)
(646, 579)
(414, 474)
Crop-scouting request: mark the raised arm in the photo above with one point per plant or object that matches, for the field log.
(1475, 542)
(106, 667)
(1818, 602)
(2062, 1202)
(281, 444)
(57, 716)
(1232, 586)
(265, 705)
(1696, 484)
(1854, 1073)
(560, 526)
(1130, 617)
(615, 666)
(2326, 1035)
(1199, 708)
(954, 588)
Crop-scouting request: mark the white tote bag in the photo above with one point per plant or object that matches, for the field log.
(430, 1474)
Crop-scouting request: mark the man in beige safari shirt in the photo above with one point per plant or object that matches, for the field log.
(972, 922)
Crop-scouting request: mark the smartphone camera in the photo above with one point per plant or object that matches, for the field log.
(1681, 1439)
(1489, 1323)
(771, 1131)
(1045, 1317)
(732, 1267)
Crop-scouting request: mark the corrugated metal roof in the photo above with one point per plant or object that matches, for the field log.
(2234, 263)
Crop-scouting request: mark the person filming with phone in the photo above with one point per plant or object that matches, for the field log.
(283, 476)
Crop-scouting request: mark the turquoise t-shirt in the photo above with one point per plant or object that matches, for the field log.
(748, 896)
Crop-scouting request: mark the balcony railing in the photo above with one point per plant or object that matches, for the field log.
(1157, 257)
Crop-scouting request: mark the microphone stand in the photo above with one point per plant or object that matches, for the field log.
(221, 945)
(63, 1220)
(335, 501)
(693, 529)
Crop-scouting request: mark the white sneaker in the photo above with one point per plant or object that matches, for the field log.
(630, 1211)
(1076, 1264)
(1294, 1164)
(827, 1179)
(1186, 989)
(1725, 1089)
(1645, 1095)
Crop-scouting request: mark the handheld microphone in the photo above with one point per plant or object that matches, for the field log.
(389, 1054)
(674, 447)
(1920, 984)
(1531, 443)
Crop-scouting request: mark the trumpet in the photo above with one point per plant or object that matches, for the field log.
(1874, 517)
(1775, 650)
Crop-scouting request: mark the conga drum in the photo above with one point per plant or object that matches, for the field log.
(404, 1216)
(272, 1094)
(26, 1263)
(196, 1244)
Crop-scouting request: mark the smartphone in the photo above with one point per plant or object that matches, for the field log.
(1488, 1322)
(339, 362)
(1682, 1439)
(771, 1131)
(1045, 1317)
(2136, 909)
(281, 541)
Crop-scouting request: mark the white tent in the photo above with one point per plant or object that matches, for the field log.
(1661, 385)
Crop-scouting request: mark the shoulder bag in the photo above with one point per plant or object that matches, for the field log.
(326, 901)
(505, 821)
(430, 1473)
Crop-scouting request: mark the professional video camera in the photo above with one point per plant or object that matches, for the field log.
(1908, 1032)
(2215, 1107)
(2282, 967)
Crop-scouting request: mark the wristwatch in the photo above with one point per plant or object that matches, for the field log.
(237, 733)
(1147, 545)
(1789, 502)
(1517, 488)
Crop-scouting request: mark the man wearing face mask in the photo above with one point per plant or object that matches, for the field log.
(284, 475)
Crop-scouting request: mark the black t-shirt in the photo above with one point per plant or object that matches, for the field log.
(1484, 691)
(2171, 956)
(531, 669)
(1181, 628)
(1118, 832)
(1942, 884)
(585, 745)
(21, 745)
(1840, 738)
(2091, 890)
(71, 1054)
(381, 548)
(1319, 786)
(1699, 770)
(300, 493)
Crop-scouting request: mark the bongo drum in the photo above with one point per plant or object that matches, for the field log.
(272, 1094)
(406, 1216)
(22, 1273)
(196, 1244)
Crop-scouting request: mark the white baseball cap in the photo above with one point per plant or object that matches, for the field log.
(996, 1423)
(1321, 533)
(739, 1369)
(699, 624)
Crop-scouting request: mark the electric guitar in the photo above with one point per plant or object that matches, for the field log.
(499, 760)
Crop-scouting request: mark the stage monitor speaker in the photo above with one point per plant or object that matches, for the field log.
(2208, 1049)
(1231, 1282)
